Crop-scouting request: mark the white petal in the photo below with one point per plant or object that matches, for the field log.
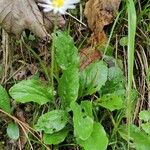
(68, 4)
(72, 2)
(55, 10)
(43, 5)
(62, 11)
(71, 6)
(47, 9)
(47, 1)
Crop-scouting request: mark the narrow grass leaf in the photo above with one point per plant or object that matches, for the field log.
(131, 46)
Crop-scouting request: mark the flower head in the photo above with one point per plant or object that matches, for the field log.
(58, 6)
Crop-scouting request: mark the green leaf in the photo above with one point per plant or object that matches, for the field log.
(66, 53)
(146, 127)
(4, 100)
(55, 138)
(86, 107)
(13, 131)
(124, 41)
(83, 124)
(31, 91)
(111, 102)
(144, 115)
(123, 131)
(138, 138)
(97, 141)
(52, 121)
(141, 139)
(31, 37)
(110, 49)
(93, 78)
(148, 75)
(68, 87)
(1, 70)
(115, 83)
(116, 74)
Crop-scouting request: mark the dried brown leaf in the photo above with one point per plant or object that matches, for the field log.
(18, 15)
(100, 13)
(88, 56)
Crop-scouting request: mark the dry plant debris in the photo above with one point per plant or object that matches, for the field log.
(18, 15)
(99, 13)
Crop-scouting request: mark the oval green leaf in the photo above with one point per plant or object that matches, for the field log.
(52, 121)
(4, 100)
(146, 127)
(13, 131)
(83, 123)
(93, 78)
(111, 102)
(68, 87)
(31, 91)
(141, 139)
(138, 138)
(55, 138)
(123, 41)
(97, 141)
(66, 53)
(144, 115)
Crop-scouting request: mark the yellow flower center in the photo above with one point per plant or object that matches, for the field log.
(57, 3)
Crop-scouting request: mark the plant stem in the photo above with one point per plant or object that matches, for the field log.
(111, 33)
(53, 55)
(38, 58)
(52, 65)
(56, 147)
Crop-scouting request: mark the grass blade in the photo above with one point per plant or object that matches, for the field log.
(131, 46)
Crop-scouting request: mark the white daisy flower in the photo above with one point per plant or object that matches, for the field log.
(58, 6)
